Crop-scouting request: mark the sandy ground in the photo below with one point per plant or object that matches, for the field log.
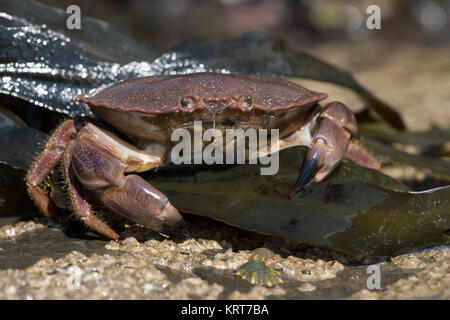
(40, 261)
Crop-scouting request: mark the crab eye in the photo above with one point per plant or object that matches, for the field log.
(184, 102)
(248, 99)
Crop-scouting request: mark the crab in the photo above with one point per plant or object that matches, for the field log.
(145, 111)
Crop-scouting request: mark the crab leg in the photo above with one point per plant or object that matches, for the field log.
(44, 164)
(337, 125)
(359, 155)
(81, 207)
(99, 163)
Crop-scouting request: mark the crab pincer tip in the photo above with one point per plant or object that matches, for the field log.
(307, 172)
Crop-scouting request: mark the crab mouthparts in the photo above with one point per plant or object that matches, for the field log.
(216, 107)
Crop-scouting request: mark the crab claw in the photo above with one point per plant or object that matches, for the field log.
(337, 125)
(98, 167)
(140, 202)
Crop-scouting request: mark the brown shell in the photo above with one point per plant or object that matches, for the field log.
(163, 94)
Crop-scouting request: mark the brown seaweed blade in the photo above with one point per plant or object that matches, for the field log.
(383, 133)
(356, 209)
(438, 168)
(403, 222)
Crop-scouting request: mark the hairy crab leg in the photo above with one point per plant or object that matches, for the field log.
(44, 164)
(80, 206)
(337, 125)
(100, 167)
